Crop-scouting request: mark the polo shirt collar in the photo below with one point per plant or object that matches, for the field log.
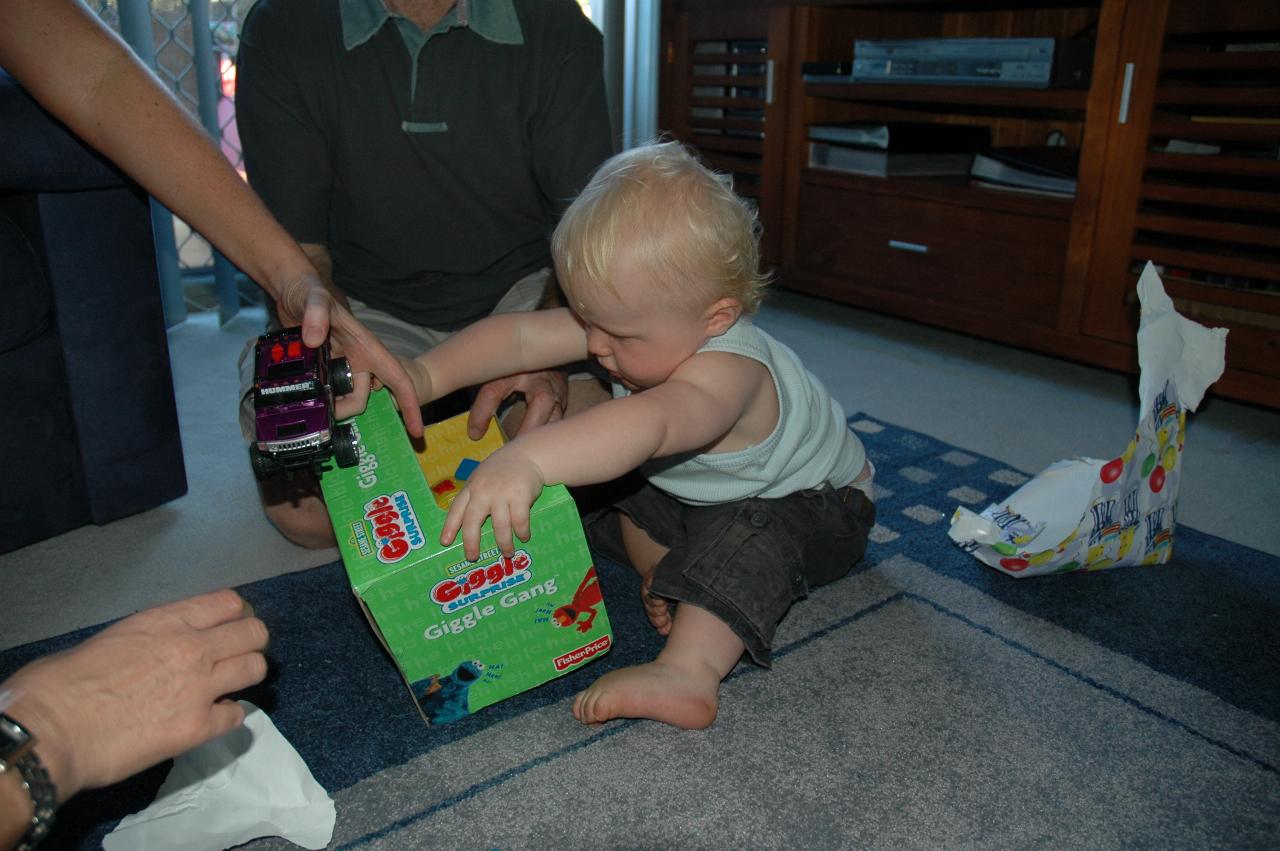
(494, 20)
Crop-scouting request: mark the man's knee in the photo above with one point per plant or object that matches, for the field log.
(585, 393)
(305, 524)
(295, 508)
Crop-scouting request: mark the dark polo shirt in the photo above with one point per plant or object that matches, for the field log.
(433, 166)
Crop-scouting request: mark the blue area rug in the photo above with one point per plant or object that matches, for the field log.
(1210, 618)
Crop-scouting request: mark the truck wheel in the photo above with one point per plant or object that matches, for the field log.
(341, 381)
(264, 466)
(346, 446)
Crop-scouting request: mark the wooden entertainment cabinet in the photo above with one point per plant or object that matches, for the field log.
(1049, 274)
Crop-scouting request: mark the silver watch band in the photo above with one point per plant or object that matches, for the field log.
(16, 753)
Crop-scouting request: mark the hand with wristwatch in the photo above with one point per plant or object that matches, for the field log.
(17, 754)
(143, 690)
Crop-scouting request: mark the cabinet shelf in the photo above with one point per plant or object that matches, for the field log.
(748, 124)
(1211, 196)
(1202, 228)
(1189, 179)
(1206, 164)
(1222, 264)
(733, 163)
(957, 191)
(1187, 60)
(727, 102)
(746, 81)
(1218, 96)
(1261, 308)
(1216, 131)
(1042, 100)
(733, 144)
(727, 59)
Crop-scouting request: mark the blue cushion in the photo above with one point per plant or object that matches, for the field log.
(27, 297)
(39, 153)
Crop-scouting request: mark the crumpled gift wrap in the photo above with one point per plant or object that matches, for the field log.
(1088, 514)
(244, 785)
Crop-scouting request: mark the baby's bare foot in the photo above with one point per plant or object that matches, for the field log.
(654, 690)
(657, 608)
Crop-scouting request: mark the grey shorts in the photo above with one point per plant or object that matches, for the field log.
(745, 562)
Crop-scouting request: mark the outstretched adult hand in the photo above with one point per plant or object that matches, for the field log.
(546, 397)
(145, 689)
(306, 301)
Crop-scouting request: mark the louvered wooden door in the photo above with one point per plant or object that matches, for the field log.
(1193, 181)
(723, 93)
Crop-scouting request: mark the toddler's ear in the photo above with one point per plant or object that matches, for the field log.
(721, 315)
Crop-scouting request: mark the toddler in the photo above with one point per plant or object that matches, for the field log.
(755, 489)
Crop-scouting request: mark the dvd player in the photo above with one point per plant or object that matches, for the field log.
(1036, 63)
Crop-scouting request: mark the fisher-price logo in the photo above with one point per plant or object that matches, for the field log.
(396, 530)
(582, 654)
(482, 581)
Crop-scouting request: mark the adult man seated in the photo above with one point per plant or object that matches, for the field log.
(421, 151)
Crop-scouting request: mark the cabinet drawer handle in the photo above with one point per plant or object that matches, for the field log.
(1125, 92)
(913, 247)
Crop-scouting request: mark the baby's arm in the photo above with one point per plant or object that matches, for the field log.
(701, 403)
(496, 346)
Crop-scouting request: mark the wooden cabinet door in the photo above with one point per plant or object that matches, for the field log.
(722, 93)
(1192, 181)
(1031, 295)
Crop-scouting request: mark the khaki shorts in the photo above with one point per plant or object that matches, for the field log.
(401, 338)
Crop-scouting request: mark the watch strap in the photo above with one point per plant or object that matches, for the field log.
(35, 780)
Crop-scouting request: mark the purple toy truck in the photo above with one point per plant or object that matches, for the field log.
(293, 390)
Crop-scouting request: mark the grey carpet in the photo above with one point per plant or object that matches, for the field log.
(915, 704)
(906, 710)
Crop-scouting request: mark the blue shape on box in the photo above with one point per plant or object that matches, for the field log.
(465, 468)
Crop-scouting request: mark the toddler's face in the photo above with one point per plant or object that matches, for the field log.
(639, 336)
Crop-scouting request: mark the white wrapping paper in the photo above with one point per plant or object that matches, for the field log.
(1090, 514)
(246, 784)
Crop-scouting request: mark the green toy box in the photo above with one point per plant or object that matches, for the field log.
(464, 634)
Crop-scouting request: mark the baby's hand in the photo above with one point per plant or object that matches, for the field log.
(503, 487)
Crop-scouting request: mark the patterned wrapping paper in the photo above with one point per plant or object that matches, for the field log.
(1090, 514)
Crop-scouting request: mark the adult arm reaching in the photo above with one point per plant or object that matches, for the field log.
(80, 71)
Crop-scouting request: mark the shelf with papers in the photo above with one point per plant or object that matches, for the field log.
(978, 259)
(1172, 131)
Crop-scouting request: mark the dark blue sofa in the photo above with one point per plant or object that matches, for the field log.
(88, 425)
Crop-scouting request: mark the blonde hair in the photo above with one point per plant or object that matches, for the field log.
(680, 219)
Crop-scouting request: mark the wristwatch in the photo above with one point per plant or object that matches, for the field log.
(17, 751)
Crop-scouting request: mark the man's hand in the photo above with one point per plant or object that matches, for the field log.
(546, 396)
(145, 689)
(305, 300)
(503, 487)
